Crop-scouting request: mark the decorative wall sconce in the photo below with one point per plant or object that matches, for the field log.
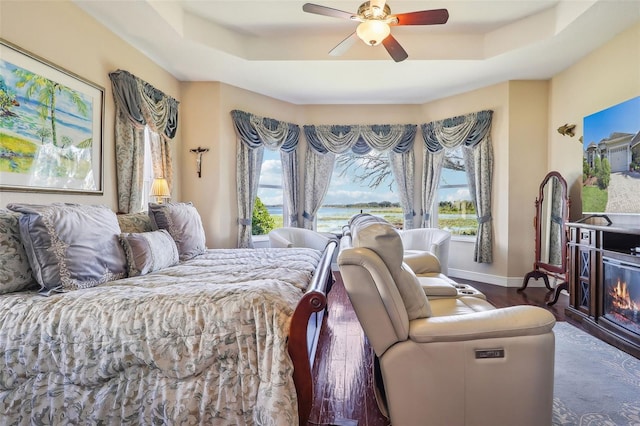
(160, 190)
(567, 130)
(199, 151)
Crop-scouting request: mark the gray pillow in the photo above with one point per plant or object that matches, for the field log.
(71, 246)
(183, 223)
(134, 222)
(15, 272)
(148, 252)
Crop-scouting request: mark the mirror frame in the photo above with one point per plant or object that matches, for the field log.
(542, 269)
(539, 264)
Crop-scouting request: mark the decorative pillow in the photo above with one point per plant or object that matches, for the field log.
(134, 222)
(148, 251)
(71, 246)
(15, 272)
(380, 236)
(183, 223)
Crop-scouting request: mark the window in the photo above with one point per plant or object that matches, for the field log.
(148, 175)
(359, 184)
(269, 209)
(453, 206)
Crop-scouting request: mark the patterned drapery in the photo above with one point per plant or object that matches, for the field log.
(473, 133)
(254, 134)
(138, 104)
(324, 142)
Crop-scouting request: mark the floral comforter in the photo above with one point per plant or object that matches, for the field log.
(203, 342)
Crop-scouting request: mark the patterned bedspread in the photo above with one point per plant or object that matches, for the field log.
(203, 342)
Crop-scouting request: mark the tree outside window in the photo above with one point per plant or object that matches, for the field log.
(269, 209)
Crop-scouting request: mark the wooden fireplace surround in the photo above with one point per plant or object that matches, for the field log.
(587, 245)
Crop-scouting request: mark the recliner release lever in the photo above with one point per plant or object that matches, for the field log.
(489, 353)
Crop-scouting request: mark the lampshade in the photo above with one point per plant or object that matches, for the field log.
(373, 31)
(160, 189)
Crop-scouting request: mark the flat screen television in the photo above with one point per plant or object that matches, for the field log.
(611, 161)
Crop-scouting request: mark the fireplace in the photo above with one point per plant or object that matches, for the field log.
(604, 282)
(621, 294)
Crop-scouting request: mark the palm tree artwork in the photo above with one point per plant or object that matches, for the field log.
(46, 131)
(46, 91)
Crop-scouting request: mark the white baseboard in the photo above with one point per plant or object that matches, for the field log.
(496, 279)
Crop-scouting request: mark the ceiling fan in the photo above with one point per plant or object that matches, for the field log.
(375, 20)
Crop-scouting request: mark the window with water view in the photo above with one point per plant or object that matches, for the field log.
(455, 210)
(366, 184)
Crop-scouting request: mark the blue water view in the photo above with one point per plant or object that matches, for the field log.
(332, 219)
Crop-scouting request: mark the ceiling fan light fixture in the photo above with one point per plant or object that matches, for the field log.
(373, 32)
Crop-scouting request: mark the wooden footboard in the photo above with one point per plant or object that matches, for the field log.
(305, 330)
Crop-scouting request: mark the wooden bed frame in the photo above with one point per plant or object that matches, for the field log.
(305, 331)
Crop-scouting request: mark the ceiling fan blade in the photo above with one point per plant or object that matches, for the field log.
(326, 11)
(423, 17)
(344, 45)
(395, 50)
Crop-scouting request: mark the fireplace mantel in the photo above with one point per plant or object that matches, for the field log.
(588, 244)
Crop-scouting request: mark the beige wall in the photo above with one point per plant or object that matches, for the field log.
(526, 114)
(66, 36)
(206, 121)
(607, 76)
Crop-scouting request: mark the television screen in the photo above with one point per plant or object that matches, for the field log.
(611, 160)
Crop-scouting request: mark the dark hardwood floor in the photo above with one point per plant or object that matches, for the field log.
(343, 370)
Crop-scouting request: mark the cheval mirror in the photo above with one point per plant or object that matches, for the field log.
(552, 212)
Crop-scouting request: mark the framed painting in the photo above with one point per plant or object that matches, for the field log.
(611, 160)
(51, 126)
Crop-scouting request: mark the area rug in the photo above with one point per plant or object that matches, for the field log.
(595, 383)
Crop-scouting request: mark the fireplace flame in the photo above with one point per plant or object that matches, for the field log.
(622, 298)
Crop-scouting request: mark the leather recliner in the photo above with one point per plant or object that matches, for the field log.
(448, 361)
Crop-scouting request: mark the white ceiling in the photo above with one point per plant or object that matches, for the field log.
(276, 49)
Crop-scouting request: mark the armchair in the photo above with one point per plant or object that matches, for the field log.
(298, 237)
(453, 361)
(432, 240)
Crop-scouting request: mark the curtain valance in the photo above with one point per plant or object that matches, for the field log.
(360, 139)
(255, 131)
(144, 104)
(471, 129)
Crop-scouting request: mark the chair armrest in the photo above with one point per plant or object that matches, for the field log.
(278, 241)
(513, 321)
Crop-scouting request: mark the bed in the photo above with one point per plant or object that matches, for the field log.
(223, 337)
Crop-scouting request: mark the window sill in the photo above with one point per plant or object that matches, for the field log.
(462, 239)
(260, 241)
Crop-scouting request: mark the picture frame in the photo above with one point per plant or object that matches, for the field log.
(611, 160)
(51, 126)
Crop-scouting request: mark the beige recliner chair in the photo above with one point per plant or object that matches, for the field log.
(449, 361)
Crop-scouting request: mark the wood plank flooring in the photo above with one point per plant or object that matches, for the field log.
(343, 370)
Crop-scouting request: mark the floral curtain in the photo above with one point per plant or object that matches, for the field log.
(473, 133)
(254, 134)
(324, 142)
(138, 104)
